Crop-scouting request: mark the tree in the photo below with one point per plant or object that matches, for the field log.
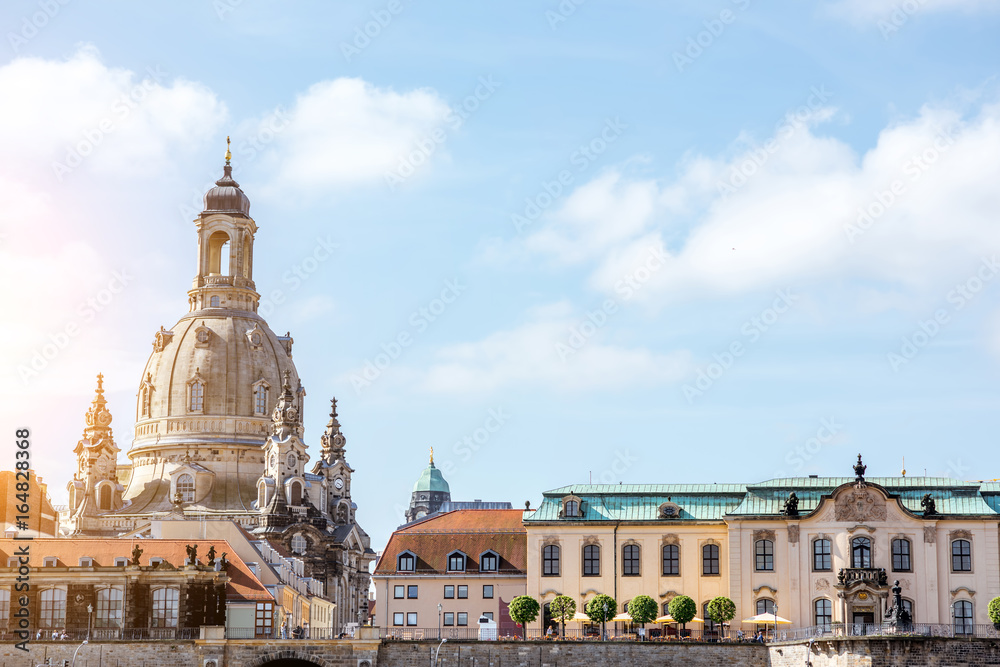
(994, 611)
(682, 609)
(642, 609)
(601, 609)
(722, 610)
(562, 608)
(523, 609)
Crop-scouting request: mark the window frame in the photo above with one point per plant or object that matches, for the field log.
(550, 560)
(187, 494)
(631, 560)
(165, 608)
(412, 590)
(398, 618)
(407, 555)
(449, 619)
(827, 613)
(571, 508)
(486, 558)
(398, 592)
(711, 560)
(488, 595)
(462, 619)
(109, 607)
(673, 561)
(965, 559)
(826, 554)
(763, 552)
(462, 592)
(591, 562)
(449, 594)
(411, 619)
(455, 558)
(968, 624)
(904, 556)
(862, 544)
(52, 608)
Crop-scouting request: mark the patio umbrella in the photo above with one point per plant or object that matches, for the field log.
(766, 619)
(665, 619)
(696, 620)
(624, 616)
(579, 617)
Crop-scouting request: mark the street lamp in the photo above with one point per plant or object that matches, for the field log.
(438, 650)
(90, 618)
(439, 619)
(604, 622)
(85, 642)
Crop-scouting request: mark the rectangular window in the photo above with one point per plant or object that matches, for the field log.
(901, 555)
(630, 560)
(52, 612)
(487, 592)
(397, 618)
(463, 592)
(463, 618)
(671, 560)
(165, 607)
(411, 592)
(109, 608)
(550, 561)
(449, 592)
(710, 559)
(411, 618)
(961, 556)
(821, 555)
(592, 560)
(264, 619)
(823, 613)
(764, 556)
(449, 618)
(397, 592)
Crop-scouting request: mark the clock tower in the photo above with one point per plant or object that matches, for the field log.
(282, 491)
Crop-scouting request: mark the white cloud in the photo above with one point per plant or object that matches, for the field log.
(866, 11)
(793, 211)
(527, 355)
(348, 131)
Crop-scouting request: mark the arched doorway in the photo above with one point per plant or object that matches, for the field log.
(287, 662)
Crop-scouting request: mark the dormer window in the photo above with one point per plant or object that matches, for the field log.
(185, 487)
(488, 562)
(299, 544)
(572, 506)
(12, 561)
(50, 561)
(406, 562)
(669, 510)
(153, 562)
(121, 561)
(86, 562)
(456, 561)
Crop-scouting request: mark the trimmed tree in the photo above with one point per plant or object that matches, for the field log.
(722, 610)
(523, 609)
(682, 609)
(601, 609)
(642, 609)
(562, 609)
(994, 611)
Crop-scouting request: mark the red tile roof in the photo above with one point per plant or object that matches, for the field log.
(242, 586)
(469, 531)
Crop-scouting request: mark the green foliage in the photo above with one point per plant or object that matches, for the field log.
(682, 609)
(562, 609)
(994, 610)
(642, 609)
(721, 609)
(601, 608)
(523, 609)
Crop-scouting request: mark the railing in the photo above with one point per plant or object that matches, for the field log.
(573, 632)
(119, 634)
(270, 633)
(849, 575)
(960, 631)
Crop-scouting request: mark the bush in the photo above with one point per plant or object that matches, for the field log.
(601, 608)
(682, 609)
(994, 610)
(722, 610)
(523, 609)
(642, 609)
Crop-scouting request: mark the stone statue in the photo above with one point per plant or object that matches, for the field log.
(223, 563)
(841, 576)
(192, 552)
(211, 556)
(136, 554)
(791, 505)
(928, 506)
(883, 578)
(896, 616)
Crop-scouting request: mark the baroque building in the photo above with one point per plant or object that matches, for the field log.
(218, 433)
(818, 551)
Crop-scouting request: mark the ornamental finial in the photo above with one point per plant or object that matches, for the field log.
(859, 472)
(432, 456)
(229, 155)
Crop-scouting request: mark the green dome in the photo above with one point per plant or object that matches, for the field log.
(431, 479)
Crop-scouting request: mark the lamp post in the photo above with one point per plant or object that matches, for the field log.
(775, 612)
(439, 619)
(90, 618)
(438, 650)
(604, 622)
(85, 642)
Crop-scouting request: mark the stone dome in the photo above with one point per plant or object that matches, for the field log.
(226, 196)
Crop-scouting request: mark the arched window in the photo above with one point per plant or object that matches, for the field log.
(488, 562)
(185, 487)
(963, 617)
(218, 254)
(456, 561)
(961, 556)
(666, 608)
(630, 560)
(260, 399)
(144, 400)
(901, 555)
(765, 606)
(671, 560)
(710, 559)
(196, 396)
(764, 556)
(711, 628)
(550, 561)
(295, 493)
(908, 606)
(109, 608)
(165, 607)
(821, 555)
(299, 543)
(104, 497)
(823, 613)
(406, 562)
(52, 610)
(861, 552)
(591, 560)
(261, 496)
(572, 508)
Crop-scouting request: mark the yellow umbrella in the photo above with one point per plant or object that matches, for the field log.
(696, 620)
(665, 619)
(766, 619)
(624, 616)
(580, 618)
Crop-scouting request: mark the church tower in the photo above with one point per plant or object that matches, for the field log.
(94, 488)
(282, 490)
(335, 470)
(429, 493)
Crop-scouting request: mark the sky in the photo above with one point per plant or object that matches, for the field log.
(558, 242)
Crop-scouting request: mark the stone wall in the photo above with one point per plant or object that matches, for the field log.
(873, 652)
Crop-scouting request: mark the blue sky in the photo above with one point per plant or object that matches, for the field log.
(623, 241)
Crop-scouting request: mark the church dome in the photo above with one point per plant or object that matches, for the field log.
(226, 196)
(431, 480)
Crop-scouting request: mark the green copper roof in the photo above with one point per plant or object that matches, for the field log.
(431, 479)
(641, 502)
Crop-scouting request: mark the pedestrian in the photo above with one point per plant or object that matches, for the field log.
(284, 630)
(297, 632)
